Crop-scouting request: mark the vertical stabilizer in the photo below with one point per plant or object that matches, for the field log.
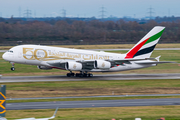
(145, 47)
(54, 115)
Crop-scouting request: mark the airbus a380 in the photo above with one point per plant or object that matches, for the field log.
(86, 61)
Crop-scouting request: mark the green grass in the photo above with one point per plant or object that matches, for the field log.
(93, 84)
(91, 88)
(105, 113)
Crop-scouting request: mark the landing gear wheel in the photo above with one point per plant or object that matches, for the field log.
(85, 75)
(90, 75)
(70, 74)
(81, 75)
(77, 74)
(12, 68)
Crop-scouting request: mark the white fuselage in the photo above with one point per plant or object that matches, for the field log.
(41, 55)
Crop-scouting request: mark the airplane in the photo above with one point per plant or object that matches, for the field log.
(2, 118)
(54, 115)
(87, 61)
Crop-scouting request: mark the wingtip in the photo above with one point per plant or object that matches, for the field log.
(157, 58)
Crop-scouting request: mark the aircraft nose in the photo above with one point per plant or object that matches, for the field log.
(5, 56)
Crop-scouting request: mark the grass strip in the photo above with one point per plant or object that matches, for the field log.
(104, 113)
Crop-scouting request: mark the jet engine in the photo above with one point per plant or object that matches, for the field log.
(74, 66)
(101, 64)
(44, 67)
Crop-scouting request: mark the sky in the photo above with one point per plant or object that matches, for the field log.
(89, 8)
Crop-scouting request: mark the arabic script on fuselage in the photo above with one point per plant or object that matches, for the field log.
(46, 55)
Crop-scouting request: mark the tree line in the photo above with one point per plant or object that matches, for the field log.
(83, 32)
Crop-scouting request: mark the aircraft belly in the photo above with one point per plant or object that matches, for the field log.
(32, 62)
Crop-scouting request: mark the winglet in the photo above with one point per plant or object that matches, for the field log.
(157, 58)
(54, 115)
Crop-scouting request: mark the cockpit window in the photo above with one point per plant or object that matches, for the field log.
(10, 51)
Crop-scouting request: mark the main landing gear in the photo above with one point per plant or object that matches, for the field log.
(12, 68)
(81, 74)
(70, 74)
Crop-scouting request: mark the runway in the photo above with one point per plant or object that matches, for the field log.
(102, 96)
(95, 77)
(92, 104)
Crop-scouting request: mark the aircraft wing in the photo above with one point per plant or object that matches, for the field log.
(89, 64)
(54, 115)
(154, 62)
(127, 61)
(2, 118)
(26, 119)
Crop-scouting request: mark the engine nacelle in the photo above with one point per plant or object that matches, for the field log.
(101, 64)
(74, 66)
(44, 67)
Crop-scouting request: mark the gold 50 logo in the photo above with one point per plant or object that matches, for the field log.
(34, 54)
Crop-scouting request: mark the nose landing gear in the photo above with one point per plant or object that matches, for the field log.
(12, 68)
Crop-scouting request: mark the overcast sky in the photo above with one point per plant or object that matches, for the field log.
(89, 8)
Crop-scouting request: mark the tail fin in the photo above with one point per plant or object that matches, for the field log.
(54, 115)
(145, 47)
